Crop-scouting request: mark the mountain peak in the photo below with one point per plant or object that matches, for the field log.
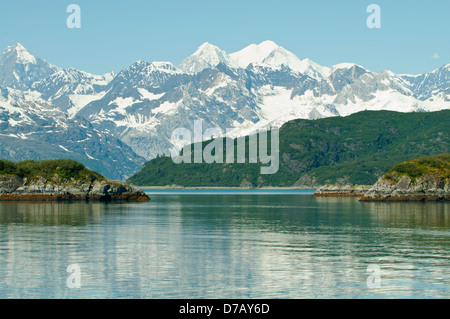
(207, 45)
(145, 68)
(271, 54)
(22, 55)
(19, 68)
(17, 47)
(140, 62)
(164, 66)
(206, 56)
(209, 50)
(268, 45)
(254, 53)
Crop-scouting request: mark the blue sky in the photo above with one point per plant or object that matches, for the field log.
(114, 34)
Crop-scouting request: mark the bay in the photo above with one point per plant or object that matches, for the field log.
(226, 244)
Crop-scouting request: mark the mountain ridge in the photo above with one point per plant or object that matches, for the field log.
(142, 104)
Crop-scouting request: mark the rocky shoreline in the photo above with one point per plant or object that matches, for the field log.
(407, 190)
(15, 188)
(423, 179)
(427, 188)
(177, 187)
(341, 191)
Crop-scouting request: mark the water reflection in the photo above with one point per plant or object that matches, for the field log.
(52, 214)
(225, 246)
(424, 215)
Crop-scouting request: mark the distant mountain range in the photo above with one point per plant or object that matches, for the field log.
(112, 123)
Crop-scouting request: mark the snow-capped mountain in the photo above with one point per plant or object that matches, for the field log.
(145, 103)
(206, 56)
(19, 68)
(430, 86)
(254, 53)
(270, 54)
(32, 126)
(137, 109)
(65, 87)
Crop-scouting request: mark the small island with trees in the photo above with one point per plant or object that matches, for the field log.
(422, 179)
(61, 180)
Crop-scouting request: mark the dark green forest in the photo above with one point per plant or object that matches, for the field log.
(357, 149)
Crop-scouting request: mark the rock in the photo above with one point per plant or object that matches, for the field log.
(56, 179)
(14, 188)
(9, 183)
(100, 188)
(246, 184)
(424, 188)
(341, 191)
(404, 183)
(306, 182)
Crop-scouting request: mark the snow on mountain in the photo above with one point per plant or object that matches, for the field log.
(206, 56)
(143, 108)
(31, 128)
(345, 66)
(282, 57)
(262, 85)
(143, 74)
(70, 89)
(268, 53)
(22, 54)
(19, 68)
(429, 85)
(71, 81)
(254, 53)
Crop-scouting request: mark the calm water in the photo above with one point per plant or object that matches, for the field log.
(225, 244)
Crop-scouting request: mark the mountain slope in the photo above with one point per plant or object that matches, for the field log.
(19, 68)
(261, 86)
(206, 56)
(253, 54)
(30, 128)
(357, 149)
(428, 86)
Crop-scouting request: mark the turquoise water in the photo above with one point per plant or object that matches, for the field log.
(225, 244)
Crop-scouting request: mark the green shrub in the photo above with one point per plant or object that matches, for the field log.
(410, 169)
(65, 168)
(7, 167)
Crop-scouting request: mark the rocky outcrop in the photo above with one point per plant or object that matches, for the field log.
(15, 188)
(341, 191)
(422, 179)
(429, 187)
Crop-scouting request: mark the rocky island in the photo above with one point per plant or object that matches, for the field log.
(422, 179)
(61, 180)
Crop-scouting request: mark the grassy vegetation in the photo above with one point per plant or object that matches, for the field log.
(357, 149)
(64, 168)
(438, 165)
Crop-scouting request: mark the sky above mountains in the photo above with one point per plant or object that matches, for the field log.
(114, 34)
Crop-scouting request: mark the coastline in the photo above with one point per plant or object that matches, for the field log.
(221, 188)
(14, 188)
(125, 197)
(342, 191)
